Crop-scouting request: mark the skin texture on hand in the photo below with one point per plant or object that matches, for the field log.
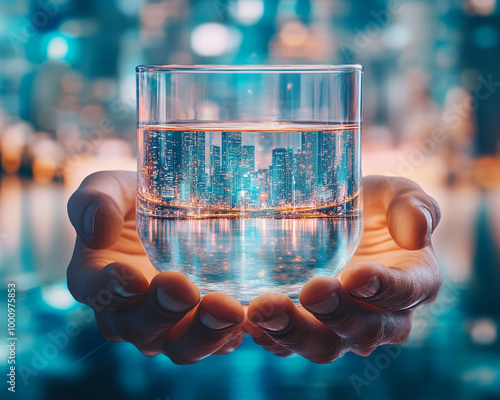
(393, 271)
(370, 303)
(132, 301)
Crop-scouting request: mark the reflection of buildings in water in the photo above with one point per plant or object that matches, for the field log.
(262, 252)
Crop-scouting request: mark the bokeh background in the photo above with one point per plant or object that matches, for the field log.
(431, 113)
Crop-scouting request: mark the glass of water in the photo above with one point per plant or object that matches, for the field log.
(249, 177)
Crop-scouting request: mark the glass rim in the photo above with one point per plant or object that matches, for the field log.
(326, 68)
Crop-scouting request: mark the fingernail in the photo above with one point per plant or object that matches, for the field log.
(277, 323)
(89, 217)
(368, 289)
(327, 305)
(428, 217)
(169, 303)
(213, 323)
(119, 289)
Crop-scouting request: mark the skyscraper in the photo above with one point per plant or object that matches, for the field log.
(330, 166)
(302, 176)
(247, 159)
(201, 177)
(282, 176)
(193, 177)
(160, 164)
(311, 147)
(231, 160)
(246, 175)
(216, 176)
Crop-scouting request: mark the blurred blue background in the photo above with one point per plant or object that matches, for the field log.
(431, 101)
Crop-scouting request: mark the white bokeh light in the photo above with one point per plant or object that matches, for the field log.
(58, 297)
(248, 12)
(213, 39)
(57, 48)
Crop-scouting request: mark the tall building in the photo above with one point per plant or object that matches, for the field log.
(214, 159)
(216, 176)
(159, 153)
(282, 176)
(247, 179)
(231, 160)
(201, 176)
(301, 174)
(311, 146)
(247, 159)
(330, 167)
(263, 188)
(192, 176)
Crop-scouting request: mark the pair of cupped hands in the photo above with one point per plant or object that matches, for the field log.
(371, 303)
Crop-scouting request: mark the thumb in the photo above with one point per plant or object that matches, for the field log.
(411, 214)
(99, 207)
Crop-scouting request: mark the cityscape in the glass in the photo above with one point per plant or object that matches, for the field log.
(200, 174)
(250, 208)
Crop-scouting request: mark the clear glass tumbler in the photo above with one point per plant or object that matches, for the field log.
(249, 177)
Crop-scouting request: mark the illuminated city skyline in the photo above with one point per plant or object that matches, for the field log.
(183, 173)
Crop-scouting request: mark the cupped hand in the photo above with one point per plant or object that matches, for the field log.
(110, 272)
(393, 271)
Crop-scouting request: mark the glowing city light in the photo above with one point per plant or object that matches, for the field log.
(248, 12)
(214, 39)
(482, 7)
(57, 48)
(397, 36)
(58, 297)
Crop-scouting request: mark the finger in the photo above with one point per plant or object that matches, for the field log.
(105, 328)
(413, 281)
(411, 214)
(362, 326)
(100, 205)
(105, 289)
(170, 296)
(294, 328)
(232, 344)
(262, 339)
(209, 328)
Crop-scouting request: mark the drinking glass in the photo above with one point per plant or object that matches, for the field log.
(249, 177)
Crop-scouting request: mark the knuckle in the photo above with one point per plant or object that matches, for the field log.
(328, 356)
(402, 332)
(74, 285)
(370, 335)
(399, 291)
(132, 333)
(290, 337)
(106, 332)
